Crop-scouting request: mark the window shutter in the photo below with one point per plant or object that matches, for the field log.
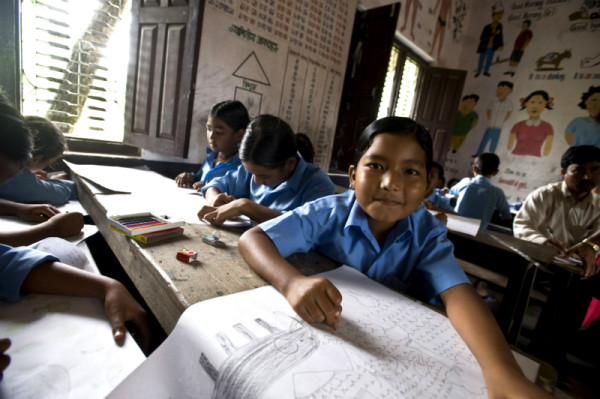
(163, 59)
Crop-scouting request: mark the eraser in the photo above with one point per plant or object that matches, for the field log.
(185, 255)
(214, 241)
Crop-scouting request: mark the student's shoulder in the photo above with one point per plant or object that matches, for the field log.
(331, 203)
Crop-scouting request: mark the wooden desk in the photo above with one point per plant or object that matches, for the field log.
(170, 286)
(492, 251)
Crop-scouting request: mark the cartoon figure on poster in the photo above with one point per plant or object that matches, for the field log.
(407, 6)
(440, 26)
(532, 134)
(490, 41)
(498, 111)
(585, 130)
(466, 120)
(521, 43)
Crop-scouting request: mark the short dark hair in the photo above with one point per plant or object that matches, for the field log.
(506, 83)
(48, 140)
(15, 137)
(232, 112)
(580, 154)
(268, 141)
(587, 94)
(440, 169)
(395, 125)
(473, 96)
(542, 93)
(487, 163)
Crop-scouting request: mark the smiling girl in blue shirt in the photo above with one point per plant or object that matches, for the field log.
(378, 228)
(273, 178)
(225, 128)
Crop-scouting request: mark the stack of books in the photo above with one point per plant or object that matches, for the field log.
(145, 227)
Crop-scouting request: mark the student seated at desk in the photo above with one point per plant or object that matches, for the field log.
(273, 178)
(379, 228)
(477, 197)
(435, 198)
(566, 216)
(30, 185)
(225, 128)
(25, 270)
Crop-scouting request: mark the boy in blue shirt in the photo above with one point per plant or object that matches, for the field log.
(477, 197)
(379, 228)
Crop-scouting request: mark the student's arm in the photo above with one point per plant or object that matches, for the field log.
(59, 225)
(185, 179)
(216, 198)
(241, 206)
(120, 306)
(315, 299)
(30, 212)
(475, 324)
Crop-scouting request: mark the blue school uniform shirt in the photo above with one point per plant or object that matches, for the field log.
(478, 198)
(437, 198)
(15, 265)
(307, 183)
(207, 172)
(26, 187)
(416, 258)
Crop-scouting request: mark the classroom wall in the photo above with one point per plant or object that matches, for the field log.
(285, 58)
(562, 58)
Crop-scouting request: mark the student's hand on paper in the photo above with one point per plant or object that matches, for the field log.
(222, 199)
(65, 224)
(558, 245)
(508, 383)
(36, 212)
(185, 179)
(4, 358)
(218, 216)
(41, 174)
(121, 309)
(587, 256)
(315, 299)
(198, 186)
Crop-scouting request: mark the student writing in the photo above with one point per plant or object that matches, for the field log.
(225, 127)
(273, 178)
(379, 228)
(30, 184)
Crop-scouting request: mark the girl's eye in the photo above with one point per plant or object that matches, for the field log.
(374, 166)
(413, 172)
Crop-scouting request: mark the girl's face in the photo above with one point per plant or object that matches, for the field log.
(592, 104)
(221, 137)
(38, 163)
(535, 106)
(390, 180)
(271, 177)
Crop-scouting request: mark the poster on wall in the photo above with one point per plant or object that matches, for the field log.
(532, 90)
(285, 58)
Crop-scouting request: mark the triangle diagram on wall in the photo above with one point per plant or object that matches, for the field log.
(250, 69)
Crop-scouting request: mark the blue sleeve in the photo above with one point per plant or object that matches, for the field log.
(503, 206)
(319, 185)
(572, 126)
(236, 183)
(25, 187)
(456, 189)
(15, 265)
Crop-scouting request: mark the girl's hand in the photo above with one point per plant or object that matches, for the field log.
(65, 224)
(36, 213)
(222, 199)
(41, 174)
(185, 179)
(315, 299)
(122, 308)
(515, 385)
(4, 358)
(218, 215)
(198, 185)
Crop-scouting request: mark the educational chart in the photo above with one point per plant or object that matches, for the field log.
(252, 344)
(285, 58)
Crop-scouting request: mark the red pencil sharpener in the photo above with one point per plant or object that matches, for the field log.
(186, 255)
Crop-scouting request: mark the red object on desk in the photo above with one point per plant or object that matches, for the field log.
(186, 255)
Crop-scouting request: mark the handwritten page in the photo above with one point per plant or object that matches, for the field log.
(252, 344)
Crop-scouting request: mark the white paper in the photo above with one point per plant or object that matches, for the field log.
(463, 224)
(62, 347)
(252, 344)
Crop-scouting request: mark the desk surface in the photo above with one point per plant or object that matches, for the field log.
(168, 285)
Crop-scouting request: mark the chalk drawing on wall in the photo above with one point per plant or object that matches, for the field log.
(552, 60)
(252, 73)
(251, 69)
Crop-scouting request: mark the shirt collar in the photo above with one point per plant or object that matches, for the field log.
(533, 123)
(211, 156)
